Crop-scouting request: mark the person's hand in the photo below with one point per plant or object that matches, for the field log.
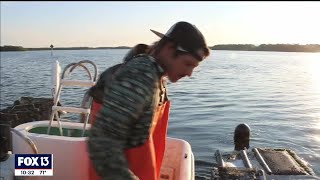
(136, 177)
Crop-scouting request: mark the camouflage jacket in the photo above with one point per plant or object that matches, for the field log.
(125, 118)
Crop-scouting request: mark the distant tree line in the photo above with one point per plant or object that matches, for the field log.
(234, 47)
(12, 48)
(269, 47)
(20, 48)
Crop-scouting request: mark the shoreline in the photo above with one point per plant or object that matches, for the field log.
(231, 47)
(129, 48)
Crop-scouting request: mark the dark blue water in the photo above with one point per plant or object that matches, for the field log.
(276, 93)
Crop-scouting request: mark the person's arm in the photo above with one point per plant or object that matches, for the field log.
(124, 102)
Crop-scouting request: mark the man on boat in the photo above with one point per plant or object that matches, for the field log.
(127, 139)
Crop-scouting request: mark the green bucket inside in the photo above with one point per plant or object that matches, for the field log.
(68, 132)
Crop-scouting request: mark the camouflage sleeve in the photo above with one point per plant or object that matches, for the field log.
(131, 91)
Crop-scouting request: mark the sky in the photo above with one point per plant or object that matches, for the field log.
(110, 23)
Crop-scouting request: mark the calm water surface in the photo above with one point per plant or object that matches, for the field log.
(276, 93)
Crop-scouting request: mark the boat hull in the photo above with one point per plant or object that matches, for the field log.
(70, 156)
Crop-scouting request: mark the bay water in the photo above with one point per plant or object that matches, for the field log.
(276, 93)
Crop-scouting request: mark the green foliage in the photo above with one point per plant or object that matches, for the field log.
(269, 47)
(20, 48)
(12, 48)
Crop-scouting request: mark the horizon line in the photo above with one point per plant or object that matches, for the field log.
(133, 46)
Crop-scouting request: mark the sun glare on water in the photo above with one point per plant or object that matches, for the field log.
(314, 69)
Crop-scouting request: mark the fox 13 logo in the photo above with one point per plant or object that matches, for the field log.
(33, 165)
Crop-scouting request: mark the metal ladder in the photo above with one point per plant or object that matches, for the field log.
(64, 82)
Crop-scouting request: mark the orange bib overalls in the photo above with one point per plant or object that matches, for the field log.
(145, 160)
